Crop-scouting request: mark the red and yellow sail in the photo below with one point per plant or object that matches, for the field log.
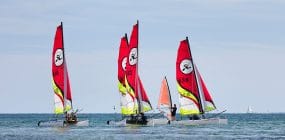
(60, 79)
(122, 63)
(190, 102)
(133, 83)
(127, 100)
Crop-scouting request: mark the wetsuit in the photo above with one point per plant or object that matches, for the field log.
(173, 112)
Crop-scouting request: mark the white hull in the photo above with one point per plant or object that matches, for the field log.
(200, 122)
(61, 123)
(163, 121)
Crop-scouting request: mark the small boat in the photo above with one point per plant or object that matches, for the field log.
(194, 97)
(134, 100)
(249, 110)
(61, 87)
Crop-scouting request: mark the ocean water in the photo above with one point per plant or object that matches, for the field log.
(240, 126)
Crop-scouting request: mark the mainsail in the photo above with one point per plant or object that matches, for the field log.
(133, 83)
(60, 79)
(127, 99)
(187, 84)
(164, 101)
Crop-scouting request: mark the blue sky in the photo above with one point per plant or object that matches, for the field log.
(238, 45)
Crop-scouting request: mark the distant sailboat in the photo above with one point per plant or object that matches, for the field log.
(249, 109)
(194, 97)
(61, 86)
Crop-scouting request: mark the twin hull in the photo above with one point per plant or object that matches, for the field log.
(164, 121)
(62, 123)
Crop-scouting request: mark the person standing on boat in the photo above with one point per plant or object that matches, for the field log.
(173, 112)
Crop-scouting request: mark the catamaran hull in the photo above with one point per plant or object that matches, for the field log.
(200, 122)
(150, 122)
(162, 121)
(61, 123)
(127, 123)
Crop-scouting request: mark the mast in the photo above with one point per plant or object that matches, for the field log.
(168, 92)
(64, 71)
(200, 90)
(137, 85)
(200, 101)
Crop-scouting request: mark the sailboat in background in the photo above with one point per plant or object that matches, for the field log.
(249, 110)
(134, 100)
(164, 101)
(61, 87)
(194, 98)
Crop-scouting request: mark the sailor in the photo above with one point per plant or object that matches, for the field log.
(68, 117)
(194, 117)
(173, 112)
(143, 118)
(73, 117)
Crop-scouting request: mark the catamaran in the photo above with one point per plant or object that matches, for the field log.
(134, 100)
(61, 87)
(194, 97)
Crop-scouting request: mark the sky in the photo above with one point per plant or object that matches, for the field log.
(238, 46)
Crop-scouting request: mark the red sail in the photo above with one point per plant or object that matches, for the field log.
(68, 91)
(143, 93)
(185, 74)
(207, 95)
(135, 86)
(132, 61)
(122, 63)
(59, 69)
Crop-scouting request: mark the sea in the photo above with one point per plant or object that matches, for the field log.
(240, 126)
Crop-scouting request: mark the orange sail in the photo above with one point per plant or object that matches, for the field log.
(164, 100)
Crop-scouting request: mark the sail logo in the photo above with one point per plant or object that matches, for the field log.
(58, 57)
(133, 56)
(186, 66)
(124, 63)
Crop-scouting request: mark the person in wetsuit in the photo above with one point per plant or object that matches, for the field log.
(143, 118)
(71, 117)
(194, 117)
(173, 112)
